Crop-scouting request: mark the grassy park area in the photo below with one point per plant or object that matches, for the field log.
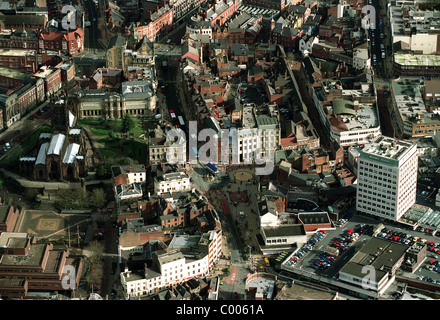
(115, 143)
(106, 128)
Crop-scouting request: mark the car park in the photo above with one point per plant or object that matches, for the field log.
(324, 261)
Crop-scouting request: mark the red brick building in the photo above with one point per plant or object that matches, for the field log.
(8, 218)
(432, 94)
(315, 221)
(68, 43)
(21, 92)
(27, 96)
(67, 70)
(41, 269)
(19, 39)
(182, 216)
(19, 59)
(222, 10)
(270, 4)
(52, 79)
(159, 21)
(239, 53)
(28, 22)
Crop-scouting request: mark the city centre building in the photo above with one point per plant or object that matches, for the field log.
(387, 178)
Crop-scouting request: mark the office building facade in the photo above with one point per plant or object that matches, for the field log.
(387, 178)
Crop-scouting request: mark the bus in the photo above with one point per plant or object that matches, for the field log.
(181, 122)
(212, 168)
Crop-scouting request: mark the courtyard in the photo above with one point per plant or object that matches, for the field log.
(50, 225)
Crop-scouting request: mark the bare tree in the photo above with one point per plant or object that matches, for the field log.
(96, 249)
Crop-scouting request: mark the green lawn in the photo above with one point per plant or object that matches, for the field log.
(88, 123)
(104, 128)
(118, 149)
(136, 150)
(108, 153)
(114, 148)
(99, 131)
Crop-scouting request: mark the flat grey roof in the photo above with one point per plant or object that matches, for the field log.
(4, 209)
(33, 258)
(378, 253)
(285, 230)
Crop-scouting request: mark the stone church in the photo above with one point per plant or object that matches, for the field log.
(60, 154)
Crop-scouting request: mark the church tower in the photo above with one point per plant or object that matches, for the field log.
(60, 117)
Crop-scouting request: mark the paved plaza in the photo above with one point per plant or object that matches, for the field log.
(49, 224)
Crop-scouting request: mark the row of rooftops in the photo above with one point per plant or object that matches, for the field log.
(351, 109)
(54, 147)
(53, 144)
(407, 19)
(129, 90)
(428, 60)
(409, 101)
(245, 18)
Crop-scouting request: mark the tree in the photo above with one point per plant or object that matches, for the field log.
(127, 123)
(72, 199)
(32, 195)
(100, 171)
(98, 198)
(96, 250)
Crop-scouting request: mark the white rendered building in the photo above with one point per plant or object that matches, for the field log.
(172, 182)
(387, 178)
(174, 266)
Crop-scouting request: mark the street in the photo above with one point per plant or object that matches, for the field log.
(239, 231)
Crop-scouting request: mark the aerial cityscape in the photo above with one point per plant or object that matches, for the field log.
(236, 150)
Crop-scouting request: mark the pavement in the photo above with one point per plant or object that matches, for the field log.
(238, 233)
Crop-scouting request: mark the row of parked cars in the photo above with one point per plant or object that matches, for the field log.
(433, 247)
(396, 236)
(363, 228)
(433, 265)
(341, 222)
(431, 232)
(408, 239)
(428, 279)
(343, 241)
(324, 260)
(293, 260)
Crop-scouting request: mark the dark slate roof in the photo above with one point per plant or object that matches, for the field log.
(22, 19)
(116, 41)
(297, 9)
